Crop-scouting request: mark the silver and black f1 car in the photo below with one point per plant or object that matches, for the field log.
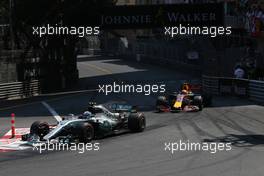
(98, 122)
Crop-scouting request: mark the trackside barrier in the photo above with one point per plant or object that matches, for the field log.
(19, 89)
(210, 85)
(256, 91)
(251, 89)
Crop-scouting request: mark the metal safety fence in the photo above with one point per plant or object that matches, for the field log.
(256, 91)
(17, 90)
(251, 89)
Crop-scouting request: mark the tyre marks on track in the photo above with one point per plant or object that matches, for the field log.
(201, 132)
(182, 133)
(212, 123)
(225, 123)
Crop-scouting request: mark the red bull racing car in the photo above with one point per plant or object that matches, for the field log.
(189, 99)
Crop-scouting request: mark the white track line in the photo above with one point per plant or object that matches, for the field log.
(52, 111)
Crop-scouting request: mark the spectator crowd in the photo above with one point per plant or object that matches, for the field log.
(254, 19)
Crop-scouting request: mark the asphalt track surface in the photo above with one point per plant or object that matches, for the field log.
(229, 120)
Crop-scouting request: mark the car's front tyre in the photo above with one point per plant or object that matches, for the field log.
(87, 133)
(39, 128)
(136, 122)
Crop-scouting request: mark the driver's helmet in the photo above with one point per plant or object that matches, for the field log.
(186, 87)
(184, 92)
(87, 114)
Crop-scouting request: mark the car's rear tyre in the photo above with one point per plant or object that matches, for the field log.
(136, 122)
(39, 128)
(87, 133)
(200, 106)
(161, 102)
(198, 101)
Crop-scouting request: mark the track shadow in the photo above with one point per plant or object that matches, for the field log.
(239, 140)
(229, 101)
(76, 103)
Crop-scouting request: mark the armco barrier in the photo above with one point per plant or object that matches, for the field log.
(256, 91)
(211, 85)
(19, 89)
(252, 89)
